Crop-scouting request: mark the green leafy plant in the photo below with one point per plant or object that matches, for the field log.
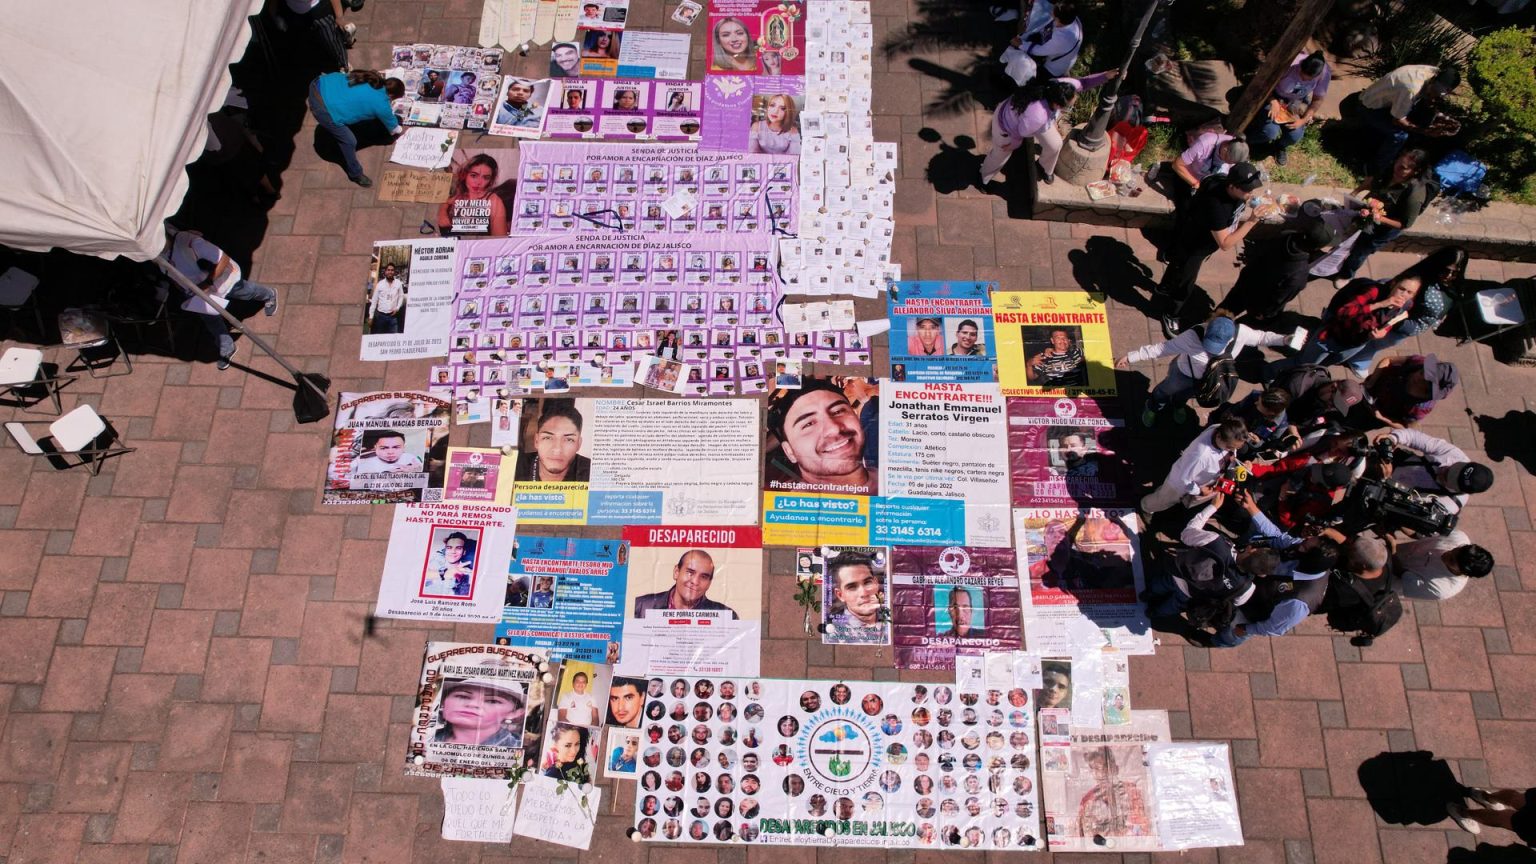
(1415, 35)
(808, 595)
(1502, 109)
(575, 778)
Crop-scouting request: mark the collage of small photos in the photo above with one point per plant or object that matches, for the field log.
(447, 86)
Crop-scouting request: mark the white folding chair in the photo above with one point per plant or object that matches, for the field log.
(22, 379)
(82, 433)
(18, 291)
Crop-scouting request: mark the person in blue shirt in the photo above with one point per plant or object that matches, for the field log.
(338, 100)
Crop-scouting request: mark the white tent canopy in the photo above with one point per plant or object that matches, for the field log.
(102, 105)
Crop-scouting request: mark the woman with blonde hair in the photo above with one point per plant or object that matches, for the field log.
(779, 130)
(734, 49)
(475, 181)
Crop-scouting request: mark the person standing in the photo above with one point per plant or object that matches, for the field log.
(1216, 220)
(387, 304)
(339, 100)
(1031, 113)
(1276, 270)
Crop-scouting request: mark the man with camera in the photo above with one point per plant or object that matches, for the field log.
(1431, 466)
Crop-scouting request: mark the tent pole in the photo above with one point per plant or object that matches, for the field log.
(180, 279)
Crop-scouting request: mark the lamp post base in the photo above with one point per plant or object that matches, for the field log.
(1077, 165)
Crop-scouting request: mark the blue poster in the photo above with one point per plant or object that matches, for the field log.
(941, 332)
(565, 598)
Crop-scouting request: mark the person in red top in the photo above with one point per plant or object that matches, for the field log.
(1361, 311)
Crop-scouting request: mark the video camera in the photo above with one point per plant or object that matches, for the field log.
(1384, 449)
(1389, 506)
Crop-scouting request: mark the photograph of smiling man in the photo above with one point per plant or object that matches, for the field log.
(694, 601)
(823, 437)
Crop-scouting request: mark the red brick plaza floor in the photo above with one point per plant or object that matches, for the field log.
(184, 676)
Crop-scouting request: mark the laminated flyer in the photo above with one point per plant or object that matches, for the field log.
(564, 597)
(831, 763)
(445, 562)
(948, 441)
(942, 332)
(694, 605)
(386, 448)
(479, 711)
(637, 462)
(1053, 343)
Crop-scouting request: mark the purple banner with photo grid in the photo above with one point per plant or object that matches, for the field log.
(655, 189)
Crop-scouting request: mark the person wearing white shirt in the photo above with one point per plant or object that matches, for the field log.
(1193, 350)
(1438, 568)
(206, 266)
(387, 456)
(1192, 479)
(1049, 50)
(578, 707)
(1445, 473)
(387, 303)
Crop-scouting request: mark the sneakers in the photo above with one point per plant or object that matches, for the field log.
(1172, 326)
(1458, 815)
(1003, 13)
(1181, 415)
(349, 34)
(271, 308)
(222, 364)
(1045, 176)
(1280, 158)
(362, 180)
(1484, 798)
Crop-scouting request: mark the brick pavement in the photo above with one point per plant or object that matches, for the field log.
(184, 676)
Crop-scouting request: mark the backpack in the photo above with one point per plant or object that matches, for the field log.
(1459, 174)
(1214, 583)
(1353, 607)
(1220, 379)
(1299, 380)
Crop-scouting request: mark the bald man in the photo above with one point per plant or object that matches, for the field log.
(691, 578)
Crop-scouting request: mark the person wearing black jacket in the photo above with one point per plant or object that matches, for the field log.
(1275, 270)
(1214, 220)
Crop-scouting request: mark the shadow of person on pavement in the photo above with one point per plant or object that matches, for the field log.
(1488, 854)
(1110, 267)
(1510, 437)
(1409, 788)
(954, 167)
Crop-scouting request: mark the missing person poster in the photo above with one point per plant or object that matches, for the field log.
(832, 763)
(948, 601)
(948, 441)
(479, 711)
(564, 597)
(637, 462)
(821, 475)
(856, 594)
(756, 37)
(478, 475)
(694, 604)
(1069, 452)
(1097, 790)
(408, 302)
(444, 562)
(942, 332)
(1083, 581)
(658, 188)
(388, 448)
(1053, 343)
(755, 115)
(626, 109)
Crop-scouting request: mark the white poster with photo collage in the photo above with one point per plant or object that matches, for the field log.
(447, 86)
(831, 763)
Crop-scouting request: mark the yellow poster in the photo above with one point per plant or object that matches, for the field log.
(1053, 343)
